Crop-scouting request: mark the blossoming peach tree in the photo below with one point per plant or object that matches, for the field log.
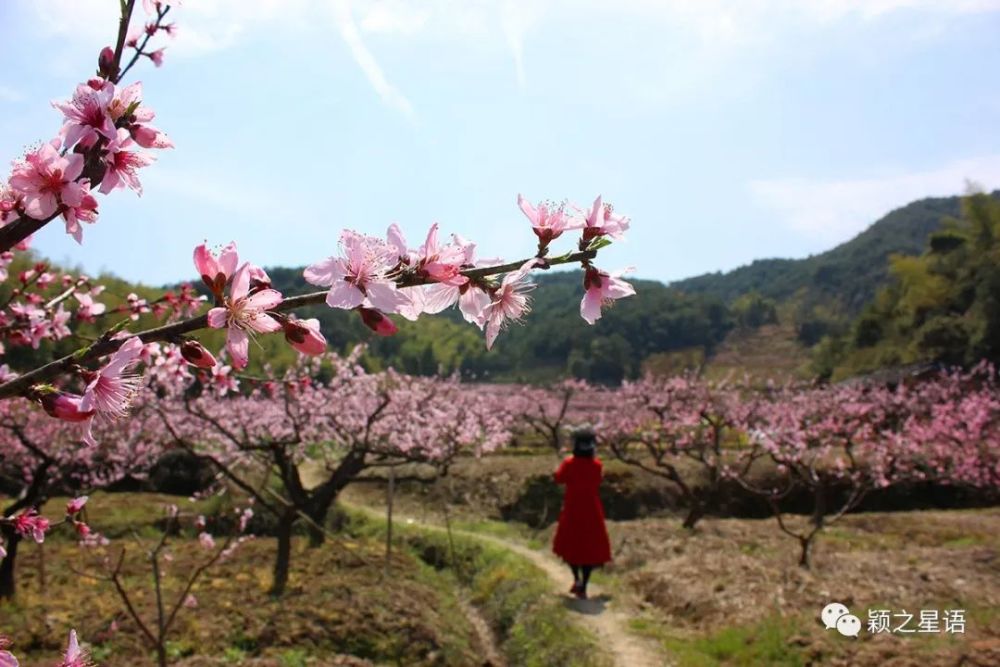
(829, 445)
(333, 432)
(105, 142)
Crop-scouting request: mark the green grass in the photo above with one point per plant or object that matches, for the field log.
(533, 627)
(506, 530)
(117, 515)
(763, 643)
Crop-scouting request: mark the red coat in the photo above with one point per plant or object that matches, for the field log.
(581, 537)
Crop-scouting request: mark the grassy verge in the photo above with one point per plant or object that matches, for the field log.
(795, 640)
(764, 643)
(533, 628)
(505, 530)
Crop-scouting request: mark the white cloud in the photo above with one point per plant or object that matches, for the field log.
(835, 210)
(366, 60)
(702, 35)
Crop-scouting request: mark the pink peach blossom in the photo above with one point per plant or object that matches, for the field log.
(216, 272)
(137, 122)
(601, 221)
(471, 296)
(85, 211)
(156, 56)
(112, 388)
(7, 658)
(89, 309)
(360, 275)
(510, 302)
(547, 221)
(46, 179)
(244, 314)
(31, 523)
(75, 656)
(601, 290)
(122, 164)
(86, 115)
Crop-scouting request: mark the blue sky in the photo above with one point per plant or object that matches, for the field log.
(727, 131)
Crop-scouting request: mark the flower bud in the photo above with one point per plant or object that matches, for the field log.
(82, 529)
(377, 322)
(195, 354)
(106, 63)
(75, 506)
(305, 336)
(65, 406)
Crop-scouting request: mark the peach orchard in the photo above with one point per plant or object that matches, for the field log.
(110, 409)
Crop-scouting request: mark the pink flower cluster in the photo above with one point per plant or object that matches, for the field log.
(378, 277)
(244, 312)
(109, 392)
(104, 127)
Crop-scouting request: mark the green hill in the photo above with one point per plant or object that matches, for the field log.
(846, 277)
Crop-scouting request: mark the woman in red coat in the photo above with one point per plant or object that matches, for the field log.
(581, 537)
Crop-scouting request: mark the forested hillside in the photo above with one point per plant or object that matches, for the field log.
(940, 306)
(848, 275)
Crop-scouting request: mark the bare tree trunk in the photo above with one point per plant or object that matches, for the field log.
(805, 544)
(283, 561)
(695, 512)
(317, 536)
(7, 583)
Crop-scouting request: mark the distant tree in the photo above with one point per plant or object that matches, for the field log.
(752, 311)
(942, 306)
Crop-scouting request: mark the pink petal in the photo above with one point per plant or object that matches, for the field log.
(395, 238)
(217, 318)
(492, 331)
(264, 299)
(438, 297)
(238, 344)
(228, 259)
(384, 296)
(618, 288)
(204, 262)
(74, 167)
(41, 206)
(241, 283)
(125, 355)
(264, 324)
(72, 194)
(529, 211)
(472, 304)
(325, 273)
(590, 306)
(594, 219)
(344, 295)
(73, 650)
